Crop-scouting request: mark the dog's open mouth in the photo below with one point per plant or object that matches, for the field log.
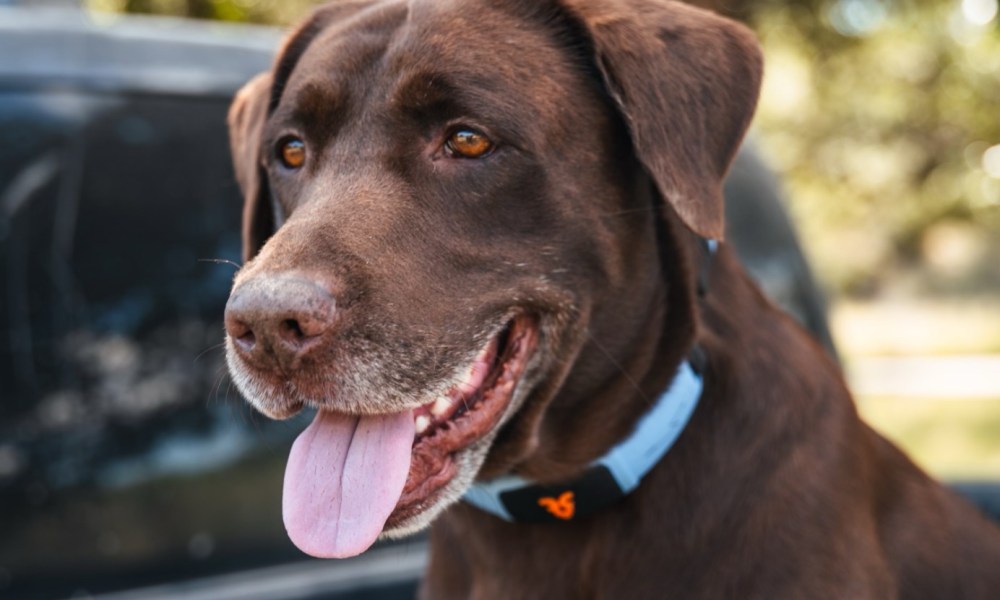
(469, 410)
(351, 476)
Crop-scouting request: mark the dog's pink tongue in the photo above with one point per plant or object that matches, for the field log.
(344, 476)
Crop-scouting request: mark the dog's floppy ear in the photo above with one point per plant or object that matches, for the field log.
(250, 109)
(686, 82)
(246, 122)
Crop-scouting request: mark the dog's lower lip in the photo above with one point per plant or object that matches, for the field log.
(285, 411)
(433, 465)
(482, 373)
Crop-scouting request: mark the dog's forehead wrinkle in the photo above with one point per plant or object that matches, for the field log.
(512, 47)
(319, 104)
(390, 65)
(346, 53)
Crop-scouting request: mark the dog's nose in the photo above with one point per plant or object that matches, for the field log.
(279, 319)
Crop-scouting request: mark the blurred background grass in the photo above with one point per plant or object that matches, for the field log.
(883, 119)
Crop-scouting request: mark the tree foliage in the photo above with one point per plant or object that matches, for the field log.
(881, 121)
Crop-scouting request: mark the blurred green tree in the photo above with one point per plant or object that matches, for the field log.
(269, 12)
(881, 116)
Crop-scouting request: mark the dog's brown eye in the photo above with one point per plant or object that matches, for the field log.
(468, 143)
(292, 152)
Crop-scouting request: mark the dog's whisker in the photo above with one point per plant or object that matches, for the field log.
(229, 387)
(631, 381)
(221, 261)
(242, 409)
(254, 419)
(209, 349)
(213, 394)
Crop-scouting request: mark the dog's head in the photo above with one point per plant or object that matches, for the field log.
(464, 238)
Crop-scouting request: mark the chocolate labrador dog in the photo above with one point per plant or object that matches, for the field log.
(481, 239)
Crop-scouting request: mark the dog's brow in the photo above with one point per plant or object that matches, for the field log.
(322, 107)
(429, 95)
(423, 91)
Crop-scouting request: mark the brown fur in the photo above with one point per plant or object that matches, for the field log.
(616, 122)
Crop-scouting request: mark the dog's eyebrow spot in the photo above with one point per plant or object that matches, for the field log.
(322, 107)
(426, 92)
(430, 98)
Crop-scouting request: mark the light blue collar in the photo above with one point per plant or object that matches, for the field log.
(606, 480)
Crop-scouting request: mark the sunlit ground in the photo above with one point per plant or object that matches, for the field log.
(927, 375)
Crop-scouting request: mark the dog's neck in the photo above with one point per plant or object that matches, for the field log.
(618, 471)
(611, 477)
(726, 433)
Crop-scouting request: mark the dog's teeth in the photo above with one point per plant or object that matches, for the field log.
(441, 406)
(422, 423)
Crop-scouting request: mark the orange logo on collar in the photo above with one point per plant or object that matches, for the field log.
(562, 507)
